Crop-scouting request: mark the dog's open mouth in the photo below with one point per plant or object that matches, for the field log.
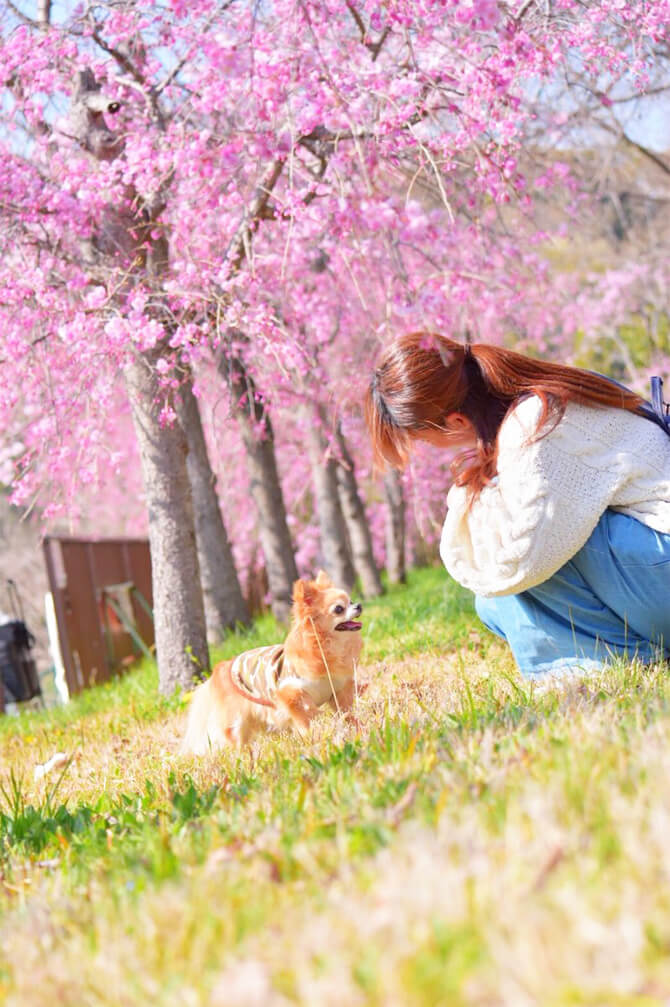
(349, 626)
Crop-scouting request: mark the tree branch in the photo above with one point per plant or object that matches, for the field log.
(373, 47)
(20, 15)
(128, 67)
(649, 154)
(238, 248)
(44, 12)
(182, 62)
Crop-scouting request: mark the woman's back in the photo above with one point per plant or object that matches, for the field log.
(550, 490)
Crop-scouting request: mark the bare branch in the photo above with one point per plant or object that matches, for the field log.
(522, 10)
(360, 24)
(44, 12)
(239, 246)
(661, 89)
(20, 15)
(649, 154)
(374, 47)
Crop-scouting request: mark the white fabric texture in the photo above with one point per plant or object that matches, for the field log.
(550, 492)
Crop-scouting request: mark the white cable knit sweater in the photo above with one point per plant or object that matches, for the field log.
(550, 493)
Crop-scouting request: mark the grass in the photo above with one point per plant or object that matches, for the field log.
(471, 842)
(430, 615)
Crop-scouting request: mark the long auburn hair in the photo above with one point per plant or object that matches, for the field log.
(422, 377)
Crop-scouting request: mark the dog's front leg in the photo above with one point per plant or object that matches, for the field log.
(345, 698)
(299, 706)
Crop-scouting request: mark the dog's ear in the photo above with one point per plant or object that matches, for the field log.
(303, 592)
(323, 580)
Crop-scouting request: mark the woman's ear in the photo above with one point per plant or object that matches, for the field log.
(457, 423)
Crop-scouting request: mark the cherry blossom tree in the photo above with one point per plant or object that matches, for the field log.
(270, 192)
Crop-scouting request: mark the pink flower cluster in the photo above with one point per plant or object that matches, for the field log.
(327, 174)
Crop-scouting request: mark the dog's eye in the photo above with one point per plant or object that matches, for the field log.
(338, 610)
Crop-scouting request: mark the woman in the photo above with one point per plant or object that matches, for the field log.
(559, 513)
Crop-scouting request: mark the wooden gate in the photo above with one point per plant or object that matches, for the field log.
(103, 601)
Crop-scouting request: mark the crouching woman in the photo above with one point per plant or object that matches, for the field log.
(558, 517)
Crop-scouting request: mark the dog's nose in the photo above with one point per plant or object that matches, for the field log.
(358, 608)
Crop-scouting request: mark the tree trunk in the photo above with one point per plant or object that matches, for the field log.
(356, 522)
(395, 527)
(265, 487)
(224, 603)
(179, 616)
(336, 554)
(123, 248)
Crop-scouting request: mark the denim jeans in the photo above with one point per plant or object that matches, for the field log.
(611, 599)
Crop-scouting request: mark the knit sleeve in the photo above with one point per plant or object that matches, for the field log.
(535, 515)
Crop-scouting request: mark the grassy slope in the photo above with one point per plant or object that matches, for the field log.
(470, 843)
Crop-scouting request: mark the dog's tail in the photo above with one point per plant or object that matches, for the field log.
(196, 724)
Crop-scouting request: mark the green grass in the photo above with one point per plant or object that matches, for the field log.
(469, 842)
(429, 614)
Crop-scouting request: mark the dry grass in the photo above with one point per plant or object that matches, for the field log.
(469, 843)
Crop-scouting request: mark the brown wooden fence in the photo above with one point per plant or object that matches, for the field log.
(103, 601)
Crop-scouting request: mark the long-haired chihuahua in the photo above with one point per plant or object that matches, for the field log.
(269, 688)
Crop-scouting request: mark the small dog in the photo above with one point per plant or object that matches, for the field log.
(282, 685)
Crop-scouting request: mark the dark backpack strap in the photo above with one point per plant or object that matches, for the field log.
(658, 405)
(655, 411)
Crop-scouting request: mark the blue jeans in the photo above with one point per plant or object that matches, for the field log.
(611, 599)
